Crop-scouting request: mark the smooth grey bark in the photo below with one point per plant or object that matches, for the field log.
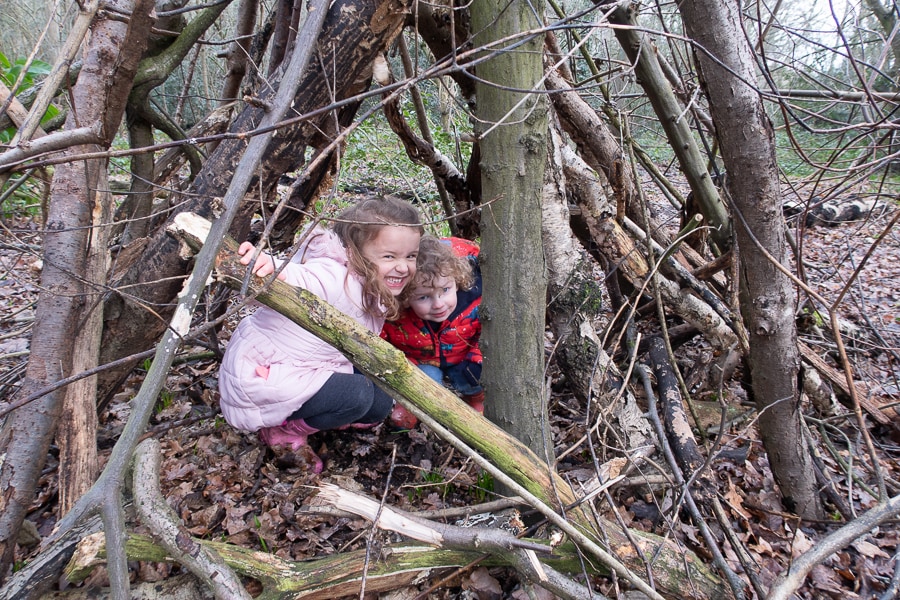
(513, 137)
(747, 141)
(99, 97)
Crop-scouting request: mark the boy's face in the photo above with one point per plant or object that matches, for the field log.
(435, 302)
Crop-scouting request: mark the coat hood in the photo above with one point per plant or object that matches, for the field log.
(321, 243)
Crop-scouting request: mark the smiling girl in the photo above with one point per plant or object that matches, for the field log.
(284, 382)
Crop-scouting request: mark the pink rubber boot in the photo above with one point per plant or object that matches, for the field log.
(292, 433)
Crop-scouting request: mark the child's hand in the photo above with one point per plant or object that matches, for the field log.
(264, 266)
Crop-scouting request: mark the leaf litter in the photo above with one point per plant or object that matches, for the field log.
(224, 485)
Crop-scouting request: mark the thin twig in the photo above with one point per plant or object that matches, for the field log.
(790, 581)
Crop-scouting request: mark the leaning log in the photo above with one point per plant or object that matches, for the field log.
(873, 408)
(674, 570)
(576, 307)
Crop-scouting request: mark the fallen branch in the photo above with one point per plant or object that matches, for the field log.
(789, 581)
(166, 527)
(323, 578)
(40, 574)
(521, 553)
(870, 405)
(619, 249)
(677, 427)
(737, 585)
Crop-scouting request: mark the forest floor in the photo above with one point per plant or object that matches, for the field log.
(226, 486)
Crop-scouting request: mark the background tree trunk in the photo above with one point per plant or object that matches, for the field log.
(238, 52)
(673, 119)
(513, 153)
(574, 309)
(766, 295)
(99, 96)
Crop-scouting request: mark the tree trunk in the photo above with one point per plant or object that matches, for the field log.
(887, 18)
(574, 307)
(99, 97)
(767, 298)
(135, 210)
(237, 56)
(513, 154)
(77, 434)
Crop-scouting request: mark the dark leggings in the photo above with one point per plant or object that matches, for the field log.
(345, 398)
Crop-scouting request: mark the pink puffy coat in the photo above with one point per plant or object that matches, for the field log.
(299, 363)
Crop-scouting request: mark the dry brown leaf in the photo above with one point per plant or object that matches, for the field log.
(735, 500)
(800, 544)
(485, 586)
(869, 550)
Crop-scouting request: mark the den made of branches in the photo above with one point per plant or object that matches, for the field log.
(686, 219)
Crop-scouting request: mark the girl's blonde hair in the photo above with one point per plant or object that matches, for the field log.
(361, 223)
(437, 259)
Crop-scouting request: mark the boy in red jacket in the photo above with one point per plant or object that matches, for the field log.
(439, 328)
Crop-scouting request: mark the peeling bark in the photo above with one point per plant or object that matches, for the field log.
(99, 95)
(623, 254)
(573, 310)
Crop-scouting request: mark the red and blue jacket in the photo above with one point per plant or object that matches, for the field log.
(452, 341)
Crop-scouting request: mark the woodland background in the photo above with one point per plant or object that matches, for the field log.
(687, 218)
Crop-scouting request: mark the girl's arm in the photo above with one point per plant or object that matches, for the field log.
(265, 264)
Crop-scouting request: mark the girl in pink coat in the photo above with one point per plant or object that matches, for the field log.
(285, 383)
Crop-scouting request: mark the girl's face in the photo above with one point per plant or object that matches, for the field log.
(393, 252)
(435, 302)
